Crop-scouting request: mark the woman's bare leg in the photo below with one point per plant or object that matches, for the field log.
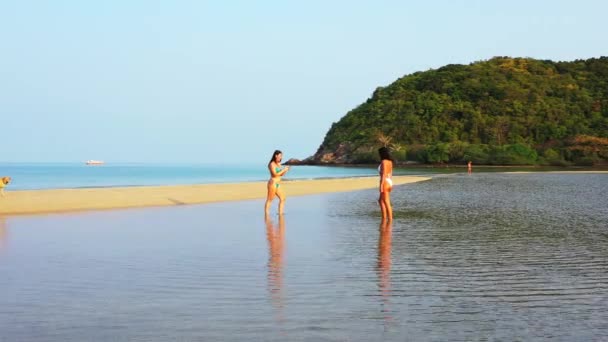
(281, 200)
(269, 197)
(382, 206)
(387, 204)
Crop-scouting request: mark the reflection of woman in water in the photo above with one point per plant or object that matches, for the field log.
(276, 247)
(274, 183)
(384, 264)
(385, 169)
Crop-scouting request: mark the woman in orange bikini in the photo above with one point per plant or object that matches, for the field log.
(274, 183)
(385, 169)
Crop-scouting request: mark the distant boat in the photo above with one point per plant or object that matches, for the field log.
(94, 162)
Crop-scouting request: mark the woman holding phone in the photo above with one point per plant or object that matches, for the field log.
(274, 183)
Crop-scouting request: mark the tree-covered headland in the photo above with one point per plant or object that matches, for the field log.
(504, 111)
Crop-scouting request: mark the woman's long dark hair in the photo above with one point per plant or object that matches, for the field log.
(385, 154)
(274, 155)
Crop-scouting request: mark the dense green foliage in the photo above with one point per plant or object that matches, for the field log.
(500, 111)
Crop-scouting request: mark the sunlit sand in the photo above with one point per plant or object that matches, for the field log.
(52, 201)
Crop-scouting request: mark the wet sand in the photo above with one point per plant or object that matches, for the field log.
(66, 200)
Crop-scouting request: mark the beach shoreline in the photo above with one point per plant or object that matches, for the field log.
(33, 202)
(419, 165)
(562, 172)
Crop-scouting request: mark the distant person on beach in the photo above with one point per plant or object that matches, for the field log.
(385, 169)
(470, 167)
(274, 183)
(3, 183)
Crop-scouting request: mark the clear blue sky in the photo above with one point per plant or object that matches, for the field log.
(230, 81)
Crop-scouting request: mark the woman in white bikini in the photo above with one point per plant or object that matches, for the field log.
(385, 169)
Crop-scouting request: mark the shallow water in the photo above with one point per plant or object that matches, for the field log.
(486, 256)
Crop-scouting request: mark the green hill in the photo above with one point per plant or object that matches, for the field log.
(501, 111)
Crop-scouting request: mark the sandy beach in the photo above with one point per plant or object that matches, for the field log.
(65, 200)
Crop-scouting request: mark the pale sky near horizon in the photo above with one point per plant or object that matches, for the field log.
(230, 81)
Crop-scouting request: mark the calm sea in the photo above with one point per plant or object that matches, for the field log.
(491, 256)
(31, 176)
(62, 176)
